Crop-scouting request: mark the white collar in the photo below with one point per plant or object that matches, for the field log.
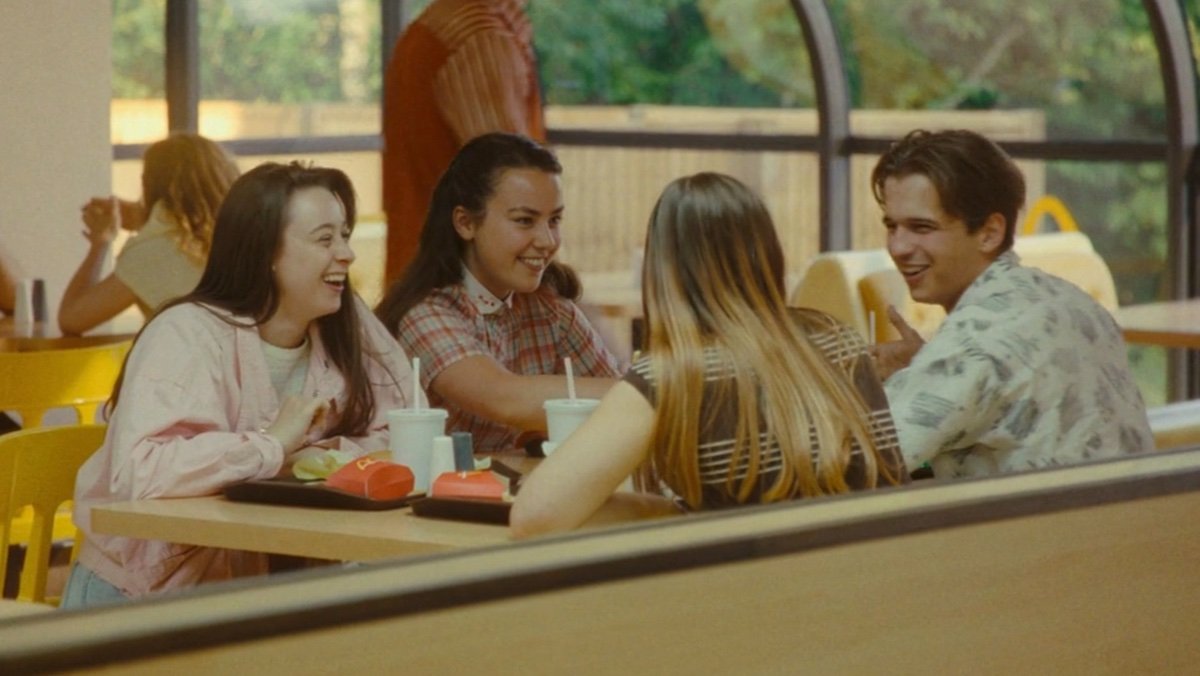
(484, 301)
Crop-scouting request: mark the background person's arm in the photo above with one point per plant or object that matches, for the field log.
(89, 300)
(9, 274)
(578, 480)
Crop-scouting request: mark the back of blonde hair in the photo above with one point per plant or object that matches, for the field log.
(188, 176)
(713, 279)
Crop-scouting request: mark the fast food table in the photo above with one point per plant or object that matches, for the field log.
(333, 534)
(1166, 324)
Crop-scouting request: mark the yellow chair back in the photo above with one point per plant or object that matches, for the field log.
(33, 382)
(37, 470)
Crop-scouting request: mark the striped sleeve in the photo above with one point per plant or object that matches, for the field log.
(483, 85)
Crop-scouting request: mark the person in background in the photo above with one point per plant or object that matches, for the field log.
(279, 359)
(739, 399)
(461, 69)
(9, 275)
(485, 306)
(184, 179)
(1027, 370)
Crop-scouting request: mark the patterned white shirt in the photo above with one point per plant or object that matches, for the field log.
(1027, 371)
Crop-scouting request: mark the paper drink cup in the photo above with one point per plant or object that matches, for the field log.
(564, 415)
(412, 431)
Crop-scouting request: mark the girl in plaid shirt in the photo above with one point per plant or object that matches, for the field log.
(485, 306)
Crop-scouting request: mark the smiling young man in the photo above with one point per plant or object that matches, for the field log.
(1027, 370)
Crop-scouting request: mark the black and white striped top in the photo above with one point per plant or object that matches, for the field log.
(839, 344)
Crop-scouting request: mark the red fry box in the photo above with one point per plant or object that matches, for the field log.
(480, 484)
(374, 479)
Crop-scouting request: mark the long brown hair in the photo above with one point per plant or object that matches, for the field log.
(238, 278)
(713, 278)
(468, 182)
(188, 176)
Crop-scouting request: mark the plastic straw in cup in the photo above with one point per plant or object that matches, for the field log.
(570, 378)
(416, 376)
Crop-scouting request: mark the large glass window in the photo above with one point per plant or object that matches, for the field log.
(1090, 65)
(139, 105)
(289, 68)
(721, 67)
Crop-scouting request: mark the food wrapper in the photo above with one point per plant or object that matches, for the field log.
(374, 479)
(321, 465)
(478, 484)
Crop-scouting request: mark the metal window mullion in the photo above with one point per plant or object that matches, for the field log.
(1169, 25)
(182, 71)
(833, 115)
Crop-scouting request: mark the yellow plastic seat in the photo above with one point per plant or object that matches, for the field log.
(33, 382)
(853, 285)
(34, 379)
(37, 470)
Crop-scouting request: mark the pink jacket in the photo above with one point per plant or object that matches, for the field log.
(195, 395)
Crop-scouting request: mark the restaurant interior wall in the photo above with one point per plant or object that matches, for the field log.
(55, 73)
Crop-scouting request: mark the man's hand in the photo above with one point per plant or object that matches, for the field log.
(898, 354)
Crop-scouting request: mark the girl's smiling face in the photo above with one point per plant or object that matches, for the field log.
(312, 265)
(512, 242)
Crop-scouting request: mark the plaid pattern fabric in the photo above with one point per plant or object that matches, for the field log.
(842, 347)
(529, 338)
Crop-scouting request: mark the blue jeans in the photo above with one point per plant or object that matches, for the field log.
(86, 589)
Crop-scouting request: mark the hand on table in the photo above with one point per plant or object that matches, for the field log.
(892, 356)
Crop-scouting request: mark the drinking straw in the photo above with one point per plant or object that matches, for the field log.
(570, 378)
(416, 373)
(871, 327)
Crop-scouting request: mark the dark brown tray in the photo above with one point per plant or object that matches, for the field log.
(464, 509)
(291, 491)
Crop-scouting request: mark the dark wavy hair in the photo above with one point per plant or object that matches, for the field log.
(973, 177)
(468, 182)
(238, 279)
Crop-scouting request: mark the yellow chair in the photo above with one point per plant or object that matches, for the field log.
(82, 378)
(34, 379)
(37, 470)
(853, 286)
(830, 284)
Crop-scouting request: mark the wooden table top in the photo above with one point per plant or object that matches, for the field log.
(1166, 324)
(46, 336)
(334, 534)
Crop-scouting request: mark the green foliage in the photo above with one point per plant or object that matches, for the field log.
(286, 51)
(139, 47)
(651, 51)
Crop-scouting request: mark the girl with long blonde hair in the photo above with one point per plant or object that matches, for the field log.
(739, 399)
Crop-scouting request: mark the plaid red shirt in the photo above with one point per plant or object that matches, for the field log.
(528, 335)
